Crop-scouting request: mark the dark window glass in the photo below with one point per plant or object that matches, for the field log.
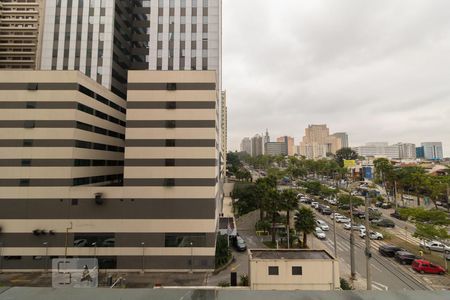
(31, 104)
(297, 270)
(170, 143)
(27, 143)
(26, 162)
(24, 182)
(74, 201)
(185, 240)
(29, 124)
(273, 270)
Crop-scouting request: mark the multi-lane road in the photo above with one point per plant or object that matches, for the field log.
(387, 274)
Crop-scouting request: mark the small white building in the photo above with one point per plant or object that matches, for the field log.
(293, 269)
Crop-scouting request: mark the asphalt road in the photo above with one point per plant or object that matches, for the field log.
(387, 274)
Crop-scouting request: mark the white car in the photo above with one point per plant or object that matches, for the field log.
(332, 201)
(342, 219)
(373, 235)
(319, 233)
(434, 246)
(354, 227)
(315, 204)
(337, 215)
(322, 225)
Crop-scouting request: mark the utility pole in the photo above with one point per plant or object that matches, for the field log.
(334, 235)
(368, 253)
(395, 194)
(352, 243)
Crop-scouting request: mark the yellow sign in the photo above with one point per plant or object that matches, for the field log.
(349, 163)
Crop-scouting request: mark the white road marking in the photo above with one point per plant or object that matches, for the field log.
(379, 286)
(376, 268)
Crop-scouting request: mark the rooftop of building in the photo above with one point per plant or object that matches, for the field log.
(224, 222)
(289, 254)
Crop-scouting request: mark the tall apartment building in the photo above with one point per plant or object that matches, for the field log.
(407, 150)
(317, 142)
(289, 141)
(20, 21)
(433, 150)
(257, 145)
(224, 131)
(343, 136)
(246, 145)
(275, 148)
(98, 38)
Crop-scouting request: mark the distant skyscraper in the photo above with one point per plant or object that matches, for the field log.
(19, 33)
(257, 145)
(317, 142)
(343, 136)
(378, 149)
(246, 145)
(275, 148)
(433, 150)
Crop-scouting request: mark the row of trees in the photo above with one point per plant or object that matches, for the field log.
(412, 180)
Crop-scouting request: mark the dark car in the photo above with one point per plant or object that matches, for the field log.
(378, 204)
(404, 257)
(396, 215)
(344, 206)
(326, 211)
(388, 250)
(383, 223)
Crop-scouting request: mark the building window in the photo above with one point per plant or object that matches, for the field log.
(273, 270)
(297, 270)
(194, 20)
(205, 3)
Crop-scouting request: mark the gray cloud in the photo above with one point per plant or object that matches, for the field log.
(378, 70)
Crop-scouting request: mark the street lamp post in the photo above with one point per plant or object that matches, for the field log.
(192, 257)
(143, 257)
(334, 235)
(46, 256)
(368, 253)
(95, 249)
(352, 243)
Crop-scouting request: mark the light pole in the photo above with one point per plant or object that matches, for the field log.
(352, 243)
(143, 257)
(192, 257)
(334, 235)
(1, 257)
(45, 244)
(95, 249)
(368, 253)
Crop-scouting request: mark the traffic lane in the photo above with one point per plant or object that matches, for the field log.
(385, 272)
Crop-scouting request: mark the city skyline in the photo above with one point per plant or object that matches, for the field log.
(376, 82)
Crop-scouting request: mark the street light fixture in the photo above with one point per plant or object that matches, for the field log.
(143, 257)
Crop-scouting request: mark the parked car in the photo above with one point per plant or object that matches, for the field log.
(342, 219)
(318, 232)
(326, 211)
(322, 225)
(383, 223)
(373, 235)
(386, 205)
(404, 257)
(397, 215)
(388, 250)
(434, 246)
(314, 204)
(424, 266)
(239, 244)
(378, 204)
(335, 214)
(344, 206)
(354, 226)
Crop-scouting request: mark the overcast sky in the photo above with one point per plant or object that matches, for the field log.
(378, 70)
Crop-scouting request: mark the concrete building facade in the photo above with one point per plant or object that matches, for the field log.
(246, 145)
(378, 149)
(432, 150)
(289, 141)
(293, 270)
(407, 150)
(257, 145)
(275, 148)
(343, 136)
(20, 33)
(68, 189)
(317, 142)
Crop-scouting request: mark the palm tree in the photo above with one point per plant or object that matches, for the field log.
(305, 222)
(289, 202)
(272, 204)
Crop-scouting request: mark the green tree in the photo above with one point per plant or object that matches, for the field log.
(346, 198)
(223, 253)
(289, 202)
(305, 223)
(345, 154)
(271, 205)
(264, 186)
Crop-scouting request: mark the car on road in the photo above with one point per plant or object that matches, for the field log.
(386, 205)
(344, 206)
(347, 226)
(373, 235)
(383, 223)
(314, 204)
(388, 250)
(434, 246)
(239, 244)
(404, 257)
(326, 211)
(322, 225)
(424, 266)
(397, 215)
(342, 219)
(337, 215)
(319, 233)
